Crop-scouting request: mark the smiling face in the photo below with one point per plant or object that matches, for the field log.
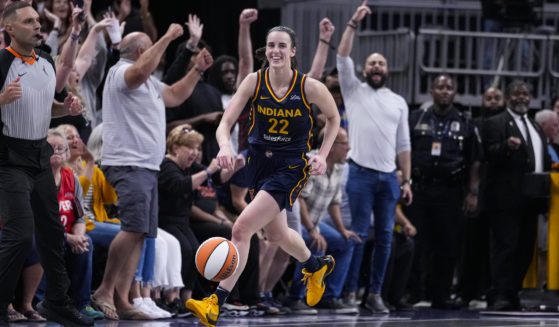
(279, 49)
(376, 70)
(60, 8)
(519, 99)
(74, 141)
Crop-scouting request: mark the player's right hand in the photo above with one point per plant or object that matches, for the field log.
(12, 92)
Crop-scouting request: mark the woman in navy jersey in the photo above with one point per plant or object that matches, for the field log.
(279, 136)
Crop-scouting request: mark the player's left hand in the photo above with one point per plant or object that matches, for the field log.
(73, 105)
(318, 165)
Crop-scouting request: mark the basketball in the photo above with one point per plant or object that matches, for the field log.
(217, 259)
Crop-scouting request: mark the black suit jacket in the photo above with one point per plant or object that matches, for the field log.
(506, 167)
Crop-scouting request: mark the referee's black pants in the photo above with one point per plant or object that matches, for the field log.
(28, 207)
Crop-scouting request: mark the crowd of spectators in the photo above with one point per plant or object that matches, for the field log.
(411, 200)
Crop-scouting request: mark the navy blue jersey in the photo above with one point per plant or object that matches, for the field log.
(280, 124)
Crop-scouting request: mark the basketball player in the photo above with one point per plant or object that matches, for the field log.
(279, 138)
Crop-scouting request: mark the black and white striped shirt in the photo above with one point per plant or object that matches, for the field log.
(28, 117)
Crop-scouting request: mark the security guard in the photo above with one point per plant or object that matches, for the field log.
(445, 151)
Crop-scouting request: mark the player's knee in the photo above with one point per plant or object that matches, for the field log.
(241, 232)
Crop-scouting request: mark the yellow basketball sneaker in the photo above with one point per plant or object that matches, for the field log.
(207, 310)
(315, 280)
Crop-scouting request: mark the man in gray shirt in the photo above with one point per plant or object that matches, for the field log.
(133, 147)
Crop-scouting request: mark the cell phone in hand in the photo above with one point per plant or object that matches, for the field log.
(79, 4)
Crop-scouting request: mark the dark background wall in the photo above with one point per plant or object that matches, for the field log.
(220, 19)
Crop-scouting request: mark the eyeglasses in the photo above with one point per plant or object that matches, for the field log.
(59, 149)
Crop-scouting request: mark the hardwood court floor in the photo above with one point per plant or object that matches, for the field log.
(418, 318)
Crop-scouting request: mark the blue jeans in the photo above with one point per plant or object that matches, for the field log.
(144, 273)
(103, 234)
(370, 191)
(340, 249)
(80, 271)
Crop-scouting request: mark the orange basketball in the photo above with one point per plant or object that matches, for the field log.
(217, 259)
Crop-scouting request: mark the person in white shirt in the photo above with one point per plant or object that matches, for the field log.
(379, 139)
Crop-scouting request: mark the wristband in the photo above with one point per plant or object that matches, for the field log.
(74, 36)
(201, 72)
(56, 29)
(352, 25)
(190, 46)
(327, 43)
(209, 177)
(474, 192)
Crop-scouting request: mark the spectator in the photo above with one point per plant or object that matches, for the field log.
(57, 17)
(492, 102)
(379, 138)
(473, 277)
(445, 151)
(203, 109)
(26, 179)
(515, 148)
(79, 247)
(549, 122)
(323, 193)
(131, 98)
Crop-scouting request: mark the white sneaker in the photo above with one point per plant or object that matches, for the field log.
(139, 304)
(154, 308)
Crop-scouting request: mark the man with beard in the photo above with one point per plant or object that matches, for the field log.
(515, 147)
(379, 139)
(445, 145)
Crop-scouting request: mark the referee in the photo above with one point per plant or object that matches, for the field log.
(28, 202)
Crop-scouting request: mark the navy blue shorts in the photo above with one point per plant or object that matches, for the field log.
(282, 175)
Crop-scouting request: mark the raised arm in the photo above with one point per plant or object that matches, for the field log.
(326, 29)
(88, 51)
(147, 20)
(141, 70)
(68, 55)
(344, 49)
(246, 60)
(175, 94)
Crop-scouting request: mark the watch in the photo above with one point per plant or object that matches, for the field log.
(406, 181)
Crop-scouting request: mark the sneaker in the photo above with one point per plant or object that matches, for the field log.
(349, 300)
(207, 310)
(141, 306)
(315, 280)
(154, 308)
(261, 309)
(376, 304)
(88, 311)
(277, 304)
(336, 306)
(177, 308)
(234, 309)
(300, 308)
(66, 314)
